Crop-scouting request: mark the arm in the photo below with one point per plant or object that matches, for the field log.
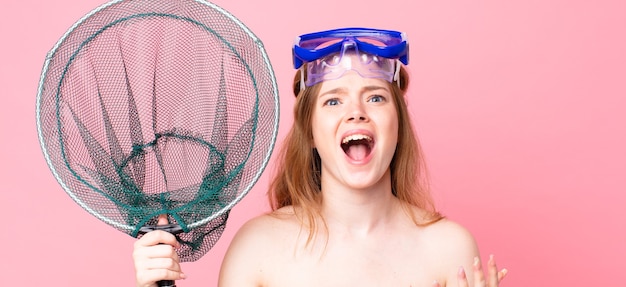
(460, 253)
(242, 264)
(465, 253)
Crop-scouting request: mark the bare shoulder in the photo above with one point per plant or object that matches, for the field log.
(449, 231)
(268, 227)
(440, 230)
(452, 244)
(254, 245)
(261, 233)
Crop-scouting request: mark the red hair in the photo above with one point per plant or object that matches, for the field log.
(298, 170)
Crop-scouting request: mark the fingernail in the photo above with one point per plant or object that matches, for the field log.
(461, 272)
(476, 262)
(183, 276)
(504, 271)
(436, 284)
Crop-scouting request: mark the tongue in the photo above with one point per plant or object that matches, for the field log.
(357, 151)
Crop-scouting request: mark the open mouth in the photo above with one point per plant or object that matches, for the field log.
(357, 147)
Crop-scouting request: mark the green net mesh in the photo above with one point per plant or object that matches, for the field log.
(158, 107)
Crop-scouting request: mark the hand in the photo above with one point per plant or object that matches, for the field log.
(494, 276)
(155, 258)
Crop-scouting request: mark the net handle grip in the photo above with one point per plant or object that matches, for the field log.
(171, 228)
(166, 283)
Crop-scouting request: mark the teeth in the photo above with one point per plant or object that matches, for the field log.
(356, 137)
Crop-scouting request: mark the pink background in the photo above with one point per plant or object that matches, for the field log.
(519, 106)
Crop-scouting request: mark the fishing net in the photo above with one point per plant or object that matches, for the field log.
(149, 107)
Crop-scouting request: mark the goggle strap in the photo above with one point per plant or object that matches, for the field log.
(396, 75)
(302, 85)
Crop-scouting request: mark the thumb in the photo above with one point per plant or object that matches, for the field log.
(162, 219)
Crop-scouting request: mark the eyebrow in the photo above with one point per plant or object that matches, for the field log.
(364, 89)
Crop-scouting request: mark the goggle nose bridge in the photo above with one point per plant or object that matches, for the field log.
(347, 44)
(351, 43)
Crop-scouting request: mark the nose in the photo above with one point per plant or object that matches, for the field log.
(356, 113)
(360, 118)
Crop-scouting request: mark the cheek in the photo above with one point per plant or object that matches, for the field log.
(317, 131)
(390, 129)
(393, 134)
(389, 122)
(323, 129)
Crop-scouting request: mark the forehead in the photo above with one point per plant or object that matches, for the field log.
(351, 81)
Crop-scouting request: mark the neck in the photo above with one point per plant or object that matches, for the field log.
(359, 212)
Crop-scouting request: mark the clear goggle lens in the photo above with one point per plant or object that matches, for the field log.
(335, 65)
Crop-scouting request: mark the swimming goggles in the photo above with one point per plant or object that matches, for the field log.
(372, 53)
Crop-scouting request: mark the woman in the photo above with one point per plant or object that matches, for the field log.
(350, 203)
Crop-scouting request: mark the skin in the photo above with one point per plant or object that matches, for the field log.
(368, 239)
(155, 258)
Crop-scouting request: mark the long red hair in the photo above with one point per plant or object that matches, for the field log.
(298, 169)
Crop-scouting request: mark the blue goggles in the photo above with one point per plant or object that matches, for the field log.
(383, 43)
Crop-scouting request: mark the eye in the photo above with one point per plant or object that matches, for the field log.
(377, 99)
(331, 102)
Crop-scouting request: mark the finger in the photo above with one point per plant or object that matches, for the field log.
(157, 237)
(479, 276)
(161, 251)
(462, 278)
(154, 275)
(162, 263)
(144, 258)
(162, 219)
(493, 272)
(150, 270)
(502, 274)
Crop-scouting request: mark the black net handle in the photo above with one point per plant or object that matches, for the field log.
(171, 228)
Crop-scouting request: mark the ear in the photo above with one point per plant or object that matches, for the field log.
(404, 80)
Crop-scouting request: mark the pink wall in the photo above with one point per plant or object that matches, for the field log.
(519, 105)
